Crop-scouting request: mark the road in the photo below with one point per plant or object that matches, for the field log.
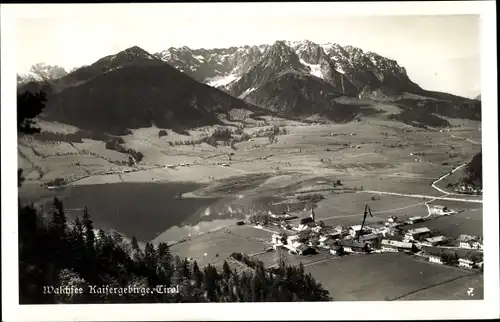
(422, 196)
(444, 176)
(467, 139)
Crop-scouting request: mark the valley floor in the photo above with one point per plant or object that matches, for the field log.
(392, 167)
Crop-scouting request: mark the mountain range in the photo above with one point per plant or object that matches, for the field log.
(193, 87)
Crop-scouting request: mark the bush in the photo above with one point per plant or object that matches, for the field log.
(222, 134)
(181, 131)
(114, 144)
(56, 182)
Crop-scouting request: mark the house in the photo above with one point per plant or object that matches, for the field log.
(304, 250)
(278, 240)
(307, 221)
(435, 259)
(417, 234)
(335, 234)
(329, 244)
(292, 239)
(470, 242)
(392, 219)
(355, 230)
(392, 245)
(438, 210)
(413, 220)
(433, 241)
(317, 229)
(304, 228)
(372, 239)
(354, 247)
(336, 250)
(466, 263)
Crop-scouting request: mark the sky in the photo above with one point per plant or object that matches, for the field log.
(439, 52)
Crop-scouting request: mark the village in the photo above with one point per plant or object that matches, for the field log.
(309, 236)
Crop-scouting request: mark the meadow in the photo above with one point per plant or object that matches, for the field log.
(380, 277)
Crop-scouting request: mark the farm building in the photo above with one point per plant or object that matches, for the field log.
(336, 250)
(418, 234)
(438, 210)
(307, 221)
(278, 240)
(354, 247)
(466, 263)
(389, 245)
(413, 220)
(304, 250)
(470, 242)
(373, 239)
(355, 230)
(435, 259)
(335, 234)
(433, 241)
(329, 244)
(392, 219)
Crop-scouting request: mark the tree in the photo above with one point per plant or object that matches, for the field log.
(226, 271)
(59, 221)
(47, 73)
(89, 231)
(197, 275)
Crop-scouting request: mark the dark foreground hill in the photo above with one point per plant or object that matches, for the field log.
(127, 92)
(139, 96)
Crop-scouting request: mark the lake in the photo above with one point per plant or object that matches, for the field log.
(151, 211)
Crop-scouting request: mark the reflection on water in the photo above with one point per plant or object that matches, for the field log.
(151, 211)
(176, 233)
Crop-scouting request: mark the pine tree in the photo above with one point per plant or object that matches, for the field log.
(197, 275)
(226, 271)
(89, 231)
(165, 266)
(59, 222)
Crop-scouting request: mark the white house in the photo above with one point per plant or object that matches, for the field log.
(388, 245)
(470, 242)
(277, 240)
(392, 219)
(417, 233)
(356, 229)
(436, 240)
(466, 263)
(413, 220)
(438, 210)
(435, 259)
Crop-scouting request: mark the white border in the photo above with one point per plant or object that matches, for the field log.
(487, 308)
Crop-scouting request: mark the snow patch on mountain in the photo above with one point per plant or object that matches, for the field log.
(221, 80)
(315, 69)
(245, 93)
(200, 58)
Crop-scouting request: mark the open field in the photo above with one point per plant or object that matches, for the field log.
(469, 222)
(219, 242)
(452, 290)
(379, 277)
